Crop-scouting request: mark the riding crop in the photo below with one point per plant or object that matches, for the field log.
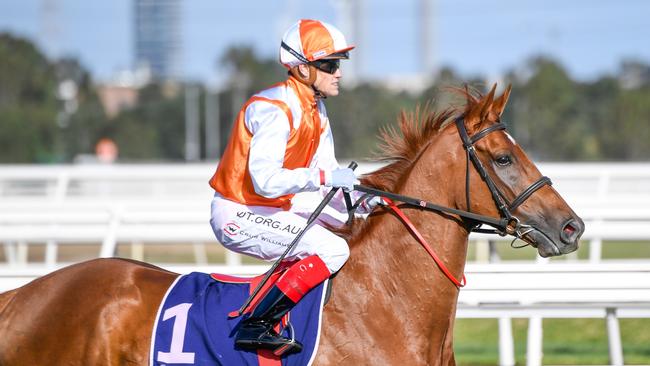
(310, 221)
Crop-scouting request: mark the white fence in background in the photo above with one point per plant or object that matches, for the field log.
(141, 204)
(607, 291)
(504, 291)
(112, 204)
(591, 184)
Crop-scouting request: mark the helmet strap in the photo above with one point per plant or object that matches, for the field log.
(318, 94)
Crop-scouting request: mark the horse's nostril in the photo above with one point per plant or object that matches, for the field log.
(571, 231)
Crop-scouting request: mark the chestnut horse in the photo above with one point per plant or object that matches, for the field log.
(390, 304)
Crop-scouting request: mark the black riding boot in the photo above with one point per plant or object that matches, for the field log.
(257, 331)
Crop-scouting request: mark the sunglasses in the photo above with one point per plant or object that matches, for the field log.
(328, 65)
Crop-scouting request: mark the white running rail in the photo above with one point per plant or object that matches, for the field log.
(104, 205)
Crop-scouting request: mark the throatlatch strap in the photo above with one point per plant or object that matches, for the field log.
(302, 277)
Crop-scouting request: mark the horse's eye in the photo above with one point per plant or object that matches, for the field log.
(504, 160)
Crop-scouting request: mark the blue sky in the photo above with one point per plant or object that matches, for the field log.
(589, 37)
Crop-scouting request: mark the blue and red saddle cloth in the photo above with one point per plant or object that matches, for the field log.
(193, 326)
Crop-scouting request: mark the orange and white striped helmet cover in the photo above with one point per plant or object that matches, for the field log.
(313, 40)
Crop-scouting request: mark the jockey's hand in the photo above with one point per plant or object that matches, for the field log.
(342, 178)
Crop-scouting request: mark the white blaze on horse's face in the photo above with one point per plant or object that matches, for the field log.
(511, 139)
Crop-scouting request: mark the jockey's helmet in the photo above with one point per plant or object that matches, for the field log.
(308, 41)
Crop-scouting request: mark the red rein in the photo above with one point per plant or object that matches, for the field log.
(424, 244)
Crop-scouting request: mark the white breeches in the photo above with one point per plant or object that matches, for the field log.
(266, 232)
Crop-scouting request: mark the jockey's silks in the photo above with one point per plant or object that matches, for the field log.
(232, 178)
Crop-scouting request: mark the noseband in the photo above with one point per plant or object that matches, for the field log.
(505, 208)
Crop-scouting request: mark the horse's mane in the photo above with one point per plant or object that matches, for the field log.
(401, 145)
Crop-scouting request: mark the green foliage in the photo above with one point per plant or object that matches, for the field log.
(629, 127)
(553, 116)
(583, 121)
(357, 117)
(27, 103)
(247, 72)
(154, 129)
(550, 101)
(81, 129)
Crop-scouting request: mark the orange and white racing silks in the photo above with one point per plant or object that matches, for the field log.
(280, 143)
(281, 151)
(278, 132)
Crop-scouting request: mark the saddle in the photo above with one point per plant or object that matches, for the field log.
(195, 323)
(253, 282)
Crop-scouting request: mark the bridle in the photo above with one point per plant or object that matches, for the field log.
(513, 224)
(507, 224)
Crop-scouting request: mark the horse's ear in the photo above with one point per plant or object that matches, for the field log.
(479, 112)
(486, 105)
(500, 103)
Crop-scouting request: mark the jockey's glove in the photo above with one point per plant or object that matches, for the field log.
(342, 178)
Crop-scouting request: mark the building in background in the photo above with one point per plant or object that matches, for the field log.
(158, 45)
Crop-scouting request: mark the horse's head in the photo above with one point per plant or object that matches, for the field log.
(503, 181)
(465, 159)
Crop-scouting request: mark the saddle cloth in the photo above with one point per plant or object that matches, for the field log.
(192, 326)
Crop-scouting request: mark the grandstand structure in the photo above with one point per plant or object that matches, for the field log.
(48, 214)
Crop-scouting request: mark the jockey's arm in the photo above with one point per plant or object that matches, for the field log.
(270, 128)
(325, 159)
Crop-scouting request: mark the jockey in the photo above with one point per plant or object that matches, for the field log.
(281, 145)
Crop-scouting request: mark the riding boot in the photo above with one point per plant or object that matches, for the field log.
(257, 330)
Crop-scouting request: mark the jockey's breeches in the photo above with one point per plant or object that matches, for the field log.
(266, 232)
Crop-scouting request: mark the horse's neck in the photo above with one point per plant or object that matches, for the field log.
(391, 301)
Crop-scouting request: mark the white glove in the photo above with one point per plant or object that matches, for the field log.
(342, 178)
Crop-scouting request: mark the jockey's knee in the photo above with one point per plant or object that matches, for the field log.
(336, 255)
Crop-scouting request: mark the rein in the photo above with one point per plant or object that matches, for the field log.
(498, 224)
(507, 224)
(426, 245)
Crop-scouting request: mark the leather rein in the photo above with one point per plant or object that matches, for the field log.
(506, 224)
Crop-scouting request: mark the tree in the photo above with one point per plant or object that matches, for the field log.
(553, 116)
(154, 129)
(37, 127)
(631, 122)
(83, 123)
(249, 72)
(28, 104)
(546, 115)
(358, 114)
